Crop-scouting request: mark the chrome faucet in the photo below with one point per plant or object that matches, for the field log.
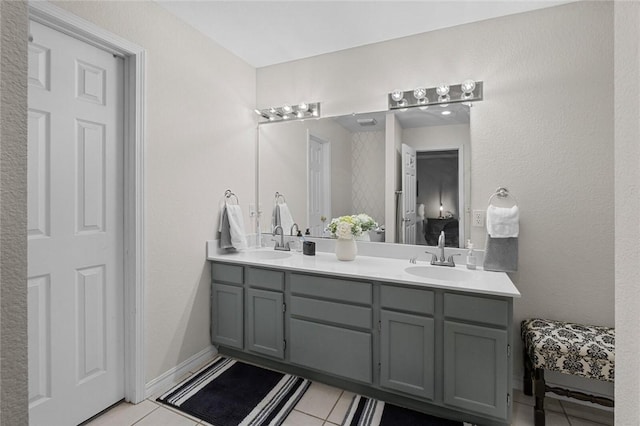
(443, 261)
(280, 245)
(297, 229)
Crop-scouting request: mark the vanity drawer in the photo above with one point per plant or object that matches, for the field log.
(331, 288)
(222, 272)
(339, 313)
(407, 299)
(479, 309)
(333, 350)
(265, 278)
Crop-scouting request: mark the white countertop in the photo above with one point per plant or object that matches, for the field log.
(377, 269)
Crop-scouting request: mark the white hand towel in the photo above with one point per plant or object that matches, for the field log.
(236, 226)
(286, 220)
(503, 222)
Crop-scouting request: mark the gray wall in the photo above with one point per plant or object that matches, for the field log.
(627, 205)
(505, 79)
(13, 218)
(544, 130)
(200, 140)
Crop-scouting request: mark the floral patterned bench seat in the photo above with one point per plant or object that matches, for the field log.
(582, 350)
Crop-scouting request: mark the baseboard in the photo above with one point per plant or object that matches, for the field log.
(171, 377)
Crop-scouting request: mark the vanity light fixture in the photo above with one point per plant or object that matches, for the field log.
(289, 112)
(443, 94)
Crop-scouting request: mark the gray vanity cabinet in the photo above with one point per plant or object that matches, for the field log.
(265, 311)
(227, 305)
(330, 326)
(476, 354)
(431, 349)
(407, 345)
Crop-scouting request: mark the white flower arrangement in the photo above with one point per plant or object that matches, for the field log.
(346, 227)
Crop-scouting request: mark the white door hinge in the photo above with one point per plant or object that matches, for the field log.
(509, 351)
(508, 400)
(284, 307)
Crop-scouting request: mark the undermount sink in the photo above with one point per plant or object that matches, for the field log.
(271, 255)
(442, 273)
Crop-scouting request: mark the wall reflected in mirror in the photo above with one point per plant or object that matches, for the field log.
(335, 166)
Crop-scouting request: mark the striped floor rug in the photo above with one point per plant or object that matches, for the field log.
(231, 393)
(365, 411)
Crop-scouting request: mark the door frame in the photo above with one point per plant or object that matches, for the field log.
(463, 205)
(134, 141)
(326, 173)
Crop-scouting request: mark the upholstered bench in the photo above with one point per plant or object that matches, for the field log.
(582, 350)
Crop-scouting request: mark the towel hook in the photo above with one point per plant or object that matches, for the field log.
(503, 193)
(278, 196)
(228, 194)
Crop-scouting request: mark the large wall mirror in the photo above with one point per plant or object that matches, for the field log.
(333, 166)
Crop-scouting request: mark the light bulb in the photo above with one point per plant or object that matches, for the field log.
(273, 110)
(467, 87)
(442, 89)
(421, 95)
(402, 103)
(287, 109)
(303, 106)
(397, 95)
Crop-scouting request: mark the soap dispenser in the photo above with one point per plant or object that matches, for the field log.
(471, 257)
(301, 241)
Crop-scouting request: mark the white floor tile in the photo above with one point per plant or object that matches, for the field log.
(589, 413)
(319, 400)
(165, 417)
(340, 410)
(523, 416)
(550, 403)
(124, 414)
(520, 397)
(296, 418)
(574, 421)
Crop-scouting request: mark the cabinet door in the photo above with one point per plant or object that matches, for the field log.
(265, 331)
(227, 315)
(475, 368)
(407, 353)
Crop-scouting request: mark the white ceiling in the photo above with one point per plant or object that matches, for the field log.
(270, 32)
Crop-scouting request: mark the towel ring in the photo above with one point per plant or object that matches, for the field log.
(278, 196)
(228, 194)
(503, 193)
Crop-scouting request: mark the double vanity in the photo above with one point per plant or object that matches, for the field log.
(431, 338)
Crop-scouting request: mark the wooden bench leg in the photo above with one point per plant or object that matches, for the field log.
(527, 380)
(539, 391)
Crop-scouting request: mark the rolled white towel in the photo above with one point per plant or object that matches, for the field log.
(503, 222)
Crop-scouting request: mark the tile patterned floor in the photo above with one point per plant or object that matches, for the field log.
(324, 405)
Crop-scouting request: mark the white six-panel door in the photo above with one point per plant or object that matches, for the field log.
(75, 221)
(319, 185)
(409, 183)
